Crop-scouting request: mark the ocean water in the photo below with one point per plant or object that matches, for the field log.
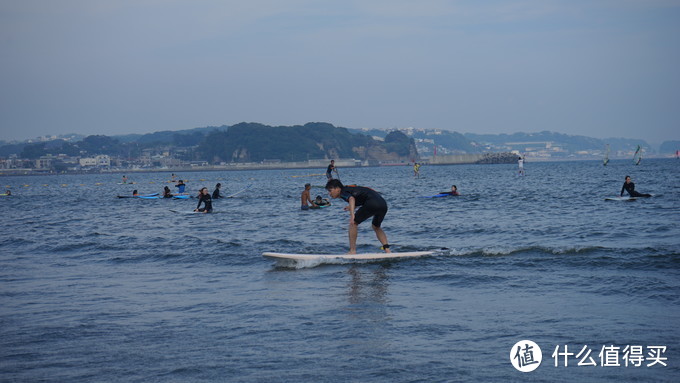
(94, 288)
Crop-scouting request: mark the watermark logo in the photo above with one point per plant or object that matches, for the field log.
(526, 356)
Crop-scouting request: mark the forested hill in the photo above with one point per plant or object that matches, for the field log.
(244, 142)
(252, 142)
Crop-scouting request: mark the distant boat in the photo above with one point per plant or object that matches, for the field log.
(605, 160)
(637, 157)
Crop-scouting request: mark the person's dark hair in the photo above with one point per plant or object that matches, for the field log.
(627, 177)
(306, 185)
(334, 183)
(218, 185)
(454, 186)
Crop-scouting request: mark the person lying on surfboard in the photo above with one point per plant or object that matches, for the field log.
(370, 203)
(454, 191)
(318, 201)
(629, 186)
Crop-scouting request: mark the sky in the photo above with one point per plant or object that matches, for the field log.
(598, 68)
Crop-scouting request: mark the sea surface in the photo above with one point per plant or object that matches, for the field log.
(94, 288)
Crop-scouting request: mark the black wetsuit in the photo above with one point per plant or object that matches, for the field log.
(216, 194)
(329, 170)
(371, 202)
(630, 188)
(205, 198)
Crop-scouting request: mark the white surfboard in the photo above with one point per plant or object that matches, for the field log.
(239, 192)
(355, 257)
(620, 199)
(191, 212)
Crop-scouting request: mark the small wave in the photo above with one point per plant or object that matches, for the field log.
(512, 250)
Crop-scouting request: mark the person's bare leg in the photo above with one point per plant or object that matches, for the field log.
(353, 229)
(382, 237)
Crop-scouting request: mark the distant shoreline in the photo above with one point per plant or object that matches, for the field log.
(282, 166)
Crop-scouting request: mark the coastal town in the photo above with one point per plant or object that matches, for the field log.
(179, 158)
(430, 147)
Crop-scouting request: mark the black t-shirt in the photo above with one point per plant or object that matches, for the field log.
(361, 194)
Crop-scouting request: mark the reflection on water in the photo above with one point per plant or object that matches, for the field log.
(368, 285)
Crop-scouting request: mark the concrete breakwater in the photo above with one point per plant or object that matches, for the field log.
(321, 164)
(474, 158)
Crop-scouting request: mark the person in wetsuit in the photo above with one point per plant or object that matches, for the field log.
(216, 194)
(629, 186)
(167, 193)
(331, 168)
(204, 198)
(454, 191)
(370, 203)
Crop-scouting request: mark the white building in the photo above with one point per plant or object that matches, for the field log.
(100, 160)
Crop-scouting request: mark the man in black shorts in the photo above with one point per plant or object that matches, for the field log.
(371, 205)
(331, 168)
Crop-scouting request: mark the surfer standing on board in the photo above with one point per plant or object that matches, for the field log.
(629, 186)
(331, 168)
(371, 205)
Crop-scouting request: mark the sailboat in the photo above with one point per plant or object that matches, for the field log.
(637, 157)
(605, 160)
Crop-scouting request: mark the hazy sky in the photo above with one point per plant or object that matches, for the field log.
(601, 68)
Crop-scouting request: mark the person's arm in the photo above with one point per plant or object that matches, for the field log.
(199, 202)
(623, 188)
